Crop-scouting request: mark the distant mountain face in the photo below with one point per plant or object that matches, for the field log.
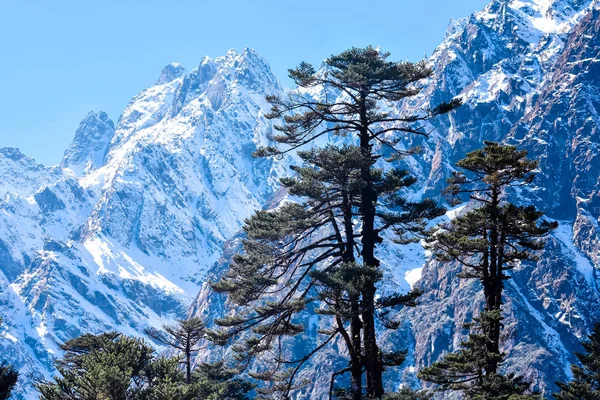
(119, 236)
(141, 213)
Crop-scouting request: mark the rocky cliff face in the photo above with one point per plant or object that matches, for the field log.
(140, 214)
(119, 236)
(532, 82)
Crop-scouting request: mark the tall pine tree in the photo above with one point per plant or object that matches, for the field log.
(304, 253)
(487, 241)
(365, 81)
(586, 377)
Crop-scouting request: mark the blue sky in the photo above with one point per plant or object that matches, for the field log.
(64, 58)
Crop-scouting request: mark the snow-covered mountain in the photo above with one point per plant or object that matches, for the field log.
(120, 234)
(125, 232)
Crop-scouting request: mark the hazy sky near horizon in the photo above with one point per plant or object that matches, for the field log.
(64, 58)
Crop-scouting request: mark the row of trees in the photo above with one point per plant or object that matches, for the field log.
(112, 366)
(319, 255)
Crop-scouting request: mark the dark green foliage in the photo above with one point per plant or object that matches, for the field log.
(216, 382)
(586, 377)
(308, 250)
(487, 241)
(183, 337)
(367, 77)
(8, 378)
(112, 366)
(465, 369)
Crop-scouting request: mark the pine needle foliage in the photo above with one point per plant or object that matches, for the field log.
(183, 337)
(304, 255)
(217, 382)
(585, 384)
(488, 241)
(112, 366)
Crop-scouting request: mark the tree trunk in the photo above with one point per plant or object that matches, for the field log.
(355, 328)
(188, 363)
(355, 323)
(493, 288)
(370, 238)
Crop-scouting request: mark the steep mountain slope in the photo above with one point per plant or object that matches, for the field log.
(119, 236)
(538, 89)
(528, 73)
(141, 213)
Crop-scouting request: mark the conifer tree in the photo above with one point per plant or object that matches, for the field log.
(487, 241)
(304, 253)
(8, 378)
(183, 337)
(586, 377)
(367, 81)
(112, 366)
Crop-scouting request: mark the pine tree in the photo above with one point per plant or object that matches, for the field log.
(8, 378)
(184, 337)
(586, 377)
(367, 81)
(304, 253)
(487, 241)
(112, 366)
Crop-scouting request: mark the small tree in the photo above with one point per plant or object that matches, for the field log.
(586, 377)
(183, 337)
(111, 366)
(487, 241)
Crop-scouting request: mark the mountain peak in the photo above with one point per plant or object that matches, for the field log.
(12, 153)
(455, 26)
(170, 73)
(91, 141)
